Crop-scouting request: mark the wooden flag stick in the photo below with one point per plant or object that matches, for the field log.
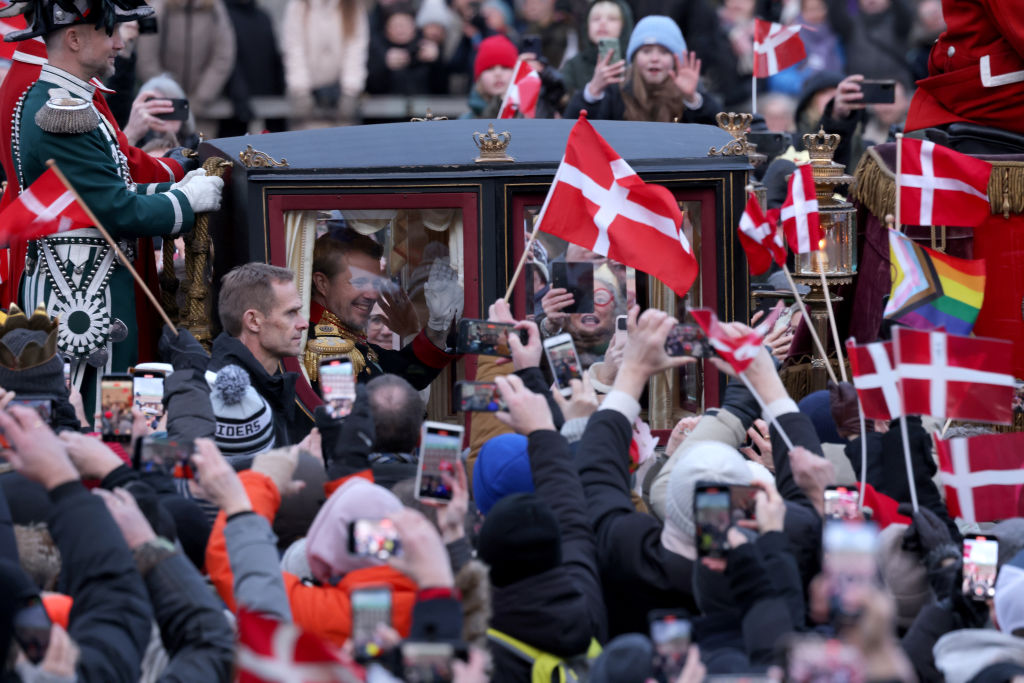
(810, 325)
(899, 174)
(906, 456)
(863, 453)
(522, 262)
(110, 240)
(835, 329)
(764, 410)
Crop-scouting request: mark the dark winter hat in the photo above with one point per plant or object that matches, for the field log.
(817, 406)
(815, 83)
(627, 659)
(47, 16)
(492, 52)
(519, 539)
(502, 468)
(245, 422)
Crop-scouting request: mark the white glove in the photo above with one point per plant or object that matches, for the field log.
(199, 172)
(443, 295)
(203, 193)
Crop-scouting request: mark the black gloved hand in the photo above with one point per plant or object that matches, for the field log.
(180, 349)
(926, 533)
(187, 163)
(348, 442)
(845, 409)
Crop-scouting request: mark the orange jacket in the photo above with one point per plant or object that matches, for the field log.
(323, 610)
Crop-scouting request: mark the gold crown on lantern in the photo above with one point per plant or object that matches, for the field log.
(734, 124)
(493, 146)
(821, 146)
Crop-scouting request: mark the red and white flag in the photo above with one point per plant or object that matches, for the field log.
(941, 187)
(946, 375)
(43, 209)
(738, 352)
(983, 476)
(875, 379)
(599, 203)
(522, 93)
(776, 47)
(799, 214)
(270, 651)
(760, 238)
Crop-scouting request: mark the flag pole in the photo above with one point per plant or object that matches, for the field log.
(906, 456)
(110, 240)
(810, 326)
(835, 329)
(753, 94)
(863, 452)
(522, 262)
(899, 179)
(764, 410)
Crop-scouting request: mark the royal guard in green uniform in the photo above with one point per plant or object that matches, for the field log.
(347, 282)
(75, 274)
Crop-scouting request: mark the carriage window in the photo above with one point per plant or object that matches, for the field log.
(365, 271)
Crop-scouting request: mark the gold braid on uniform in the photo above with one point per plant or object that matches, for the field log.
(67, 115)
(333, 338)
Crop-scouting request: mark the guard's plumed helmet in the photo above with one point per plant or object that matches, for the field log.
(47, 16)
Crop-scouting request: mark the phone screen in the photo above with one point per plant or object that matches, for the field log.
(376, 538)
(577, 277)
(484, 338)
(849, 560)
(427, 662)
(67, 375)
(480, 397)
(671, 638)
(370, 607)
(116, 407)
(564, 362)
(148, 388)
(606, 45)
(842, 503)
(160, 454)
(338, 386)
(811, 659)
(440, 446)
(981, 555)
(713, 517)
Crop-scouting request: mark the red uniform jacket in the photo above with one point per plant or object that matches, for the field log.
(976, 68)
(28, 60)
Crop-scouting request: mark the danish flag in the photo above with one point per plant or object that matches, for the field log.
(776, 47)
(875, 379)
(945, 375)
(46, 207)
(983, 476)
(598, 202)
(270, 651)
(522, 93)
(738, 352)
(800, 213)
(759, 237)
(941, 187)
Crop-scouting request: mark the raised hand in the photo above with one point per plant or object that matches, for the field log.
(687, 75)
(527, 412)
(605, 74)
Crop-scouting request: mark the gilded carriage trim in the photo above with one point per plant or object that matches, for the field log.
(493, 146)
(253, 158)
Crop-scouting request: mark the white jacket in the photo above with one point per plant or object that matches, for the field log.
(316, 53)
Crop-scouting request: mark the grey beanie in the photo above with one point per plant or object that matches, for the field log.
(709, 461)
(245, 422)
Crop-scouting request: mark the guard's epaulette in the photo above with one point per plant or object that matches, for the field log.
(65, 114)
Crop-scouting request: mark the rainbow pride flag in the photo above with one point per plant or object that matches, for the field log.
(932, 290)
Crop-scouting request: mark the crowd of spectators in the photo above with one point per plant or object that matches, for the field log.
(321, 58)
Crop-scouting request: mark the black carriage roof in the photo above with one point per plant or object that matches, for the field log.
(448, 146)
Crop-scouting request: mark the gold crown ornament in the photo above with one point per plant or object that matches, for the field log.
(493, 146)
(33, 353)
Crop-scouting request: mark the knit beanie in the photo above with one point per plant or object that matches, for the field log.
(494, 51)
(245, 423)
(903, 574)
(1009, 598)
(327, 540)
(656, 30)
(627, 659)
(433, 12)
(709, 461)
(818, 407)
(519, 539)
(501, 469)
